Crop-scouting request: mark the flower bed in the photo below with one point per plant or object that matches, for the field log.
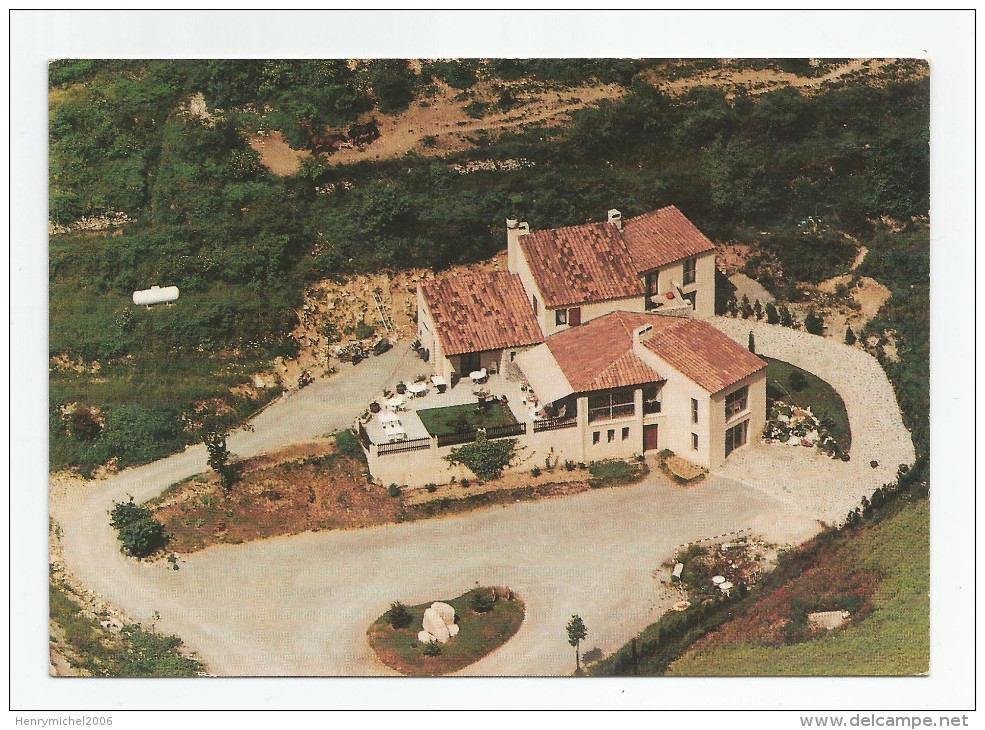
(796, 426)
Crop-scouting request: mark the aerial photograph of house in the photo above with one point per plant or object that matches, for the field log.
(517, 367)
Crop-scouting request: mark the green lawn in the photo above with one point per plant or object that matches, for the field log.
(464, 418)
(894, 639)
(479, 634)
(818, 395)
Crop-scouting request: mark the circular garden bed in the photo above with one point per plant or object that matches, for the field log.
(487, 617)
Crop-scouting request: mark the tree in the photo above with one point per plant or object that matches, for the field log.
(746, 308)
(576, 634)
(758, 309)
(486, 459)
(814, 323)
(786, 319)
(772, 315)
(219, 458)
(752, 342)
(399, 616)
(850, 338)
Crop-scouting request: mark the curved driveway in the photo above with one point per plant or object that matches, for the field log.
(300, 605)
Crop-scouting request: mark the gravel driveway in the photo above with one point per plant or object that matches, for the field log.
(300, 605)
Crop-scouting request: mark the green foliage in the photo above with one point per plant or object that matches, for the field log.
(814, 323)
(139, 532)
(398, 616)
(752, 339)
(459, 74)
(393, 490)
(850, 338)
(797, 380)
(610, 472)
(348, 445)
(364, 330)
(133, 652)
(772, 315)
(432, 648)
(576, 634)
(486, 459)
(481, 600)
(393, 83)
(786, 318)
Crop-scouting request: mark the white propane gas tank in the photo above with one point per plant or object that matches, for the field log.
(155, 295)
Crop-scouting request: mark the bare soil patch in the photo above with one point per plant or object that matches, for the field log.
(276, 154)
(840, 309)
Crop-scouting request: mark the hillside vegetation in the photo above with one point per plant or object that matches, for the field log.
(187, 202)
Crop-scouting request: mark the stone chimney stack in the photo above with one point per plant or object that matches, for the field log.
(514, 230)
(615, 218)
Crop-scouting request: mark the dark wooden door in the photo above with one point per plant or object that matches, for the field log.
(574, 316)
(650, 438)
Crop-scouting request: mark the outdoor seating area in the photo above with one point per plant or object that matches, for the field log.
(490, 399)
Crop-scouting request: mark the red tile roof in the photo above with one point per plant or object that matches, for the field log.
(595, 262)
(600, 354)
(662, 237)
(704, 354)
(481, 311)
(577, 264)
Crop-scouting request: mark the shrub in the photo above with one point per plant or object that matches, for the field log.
(786, 319)
(364, 330)
(850, 338)
(797, 380)
(432, 648)
(432, 488)
(772, 315)
(393, 490)
(569, 465)
(535, 472)
(398, 616)
(814, 323)
(481, 600)
(348, 445)
(486, 459)
(746, 307)
(465, 483)
(85, 425)
(140, 533)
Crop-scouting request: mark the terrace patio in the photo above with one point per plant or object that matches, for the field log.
(519, 402)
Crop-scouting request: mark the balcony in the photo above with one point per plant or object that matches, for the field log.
(609, 413)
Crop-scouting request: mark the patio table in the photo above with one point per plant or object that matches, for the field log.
(394, 403)
(440, 383)
(478, 375)
(417, 389)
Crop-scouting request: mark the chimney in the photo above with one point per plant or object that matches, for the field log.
(514, 230)
(641, 333)
(615, 218)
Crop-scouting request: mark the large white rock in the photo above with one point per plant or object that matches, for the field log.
(424, 637)
(452, 629)
(435, 626)
(446, 612)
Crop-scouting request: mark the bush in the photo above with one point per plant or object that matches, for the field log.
(850, 338)
(465, 483)
(85, 425)
(481, 600)
(772, 315)
(398, 616)
(797, 380)
(432, 648)
(140, 533)
(486, 459)
(364, 330)
(348, 445)
(393, 490)
(814, 323)
(535, 472)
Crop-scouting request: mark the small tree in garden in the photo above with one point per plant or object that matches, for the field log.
(576, 634)
(772, 315)
(432, 648)
(850, 338)
(752, 343)
(486, 459)
(758, 309)
(398, 616)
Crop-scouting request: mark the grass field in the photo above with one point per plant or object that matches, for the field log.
(479, 634)
(818, 395)
(893, 639)
(450, 420)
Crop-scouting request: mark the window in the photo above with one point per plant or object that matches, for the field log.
(574, 316)
(536, 306)
(560, 316)
(736, 437)
(625, 433)
(611, 435)
(736, 403)
(690, 270)
(595, 436)
(694, 410)
(512, 356)
(614, 404)
(694, 442)
(652, 395)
